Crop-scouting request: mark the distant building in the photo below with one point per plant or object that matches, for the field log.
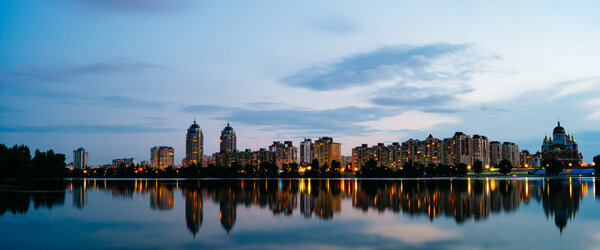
(80, 158)
(346, 161)
(144, 164)
(385, 155)
(307, 153)
(536, 160)
(194, 145)
(228, 140)
(125, 161)
(283, 153)
(510, 151)
(327, 151)
(207, 160)
(228, 150)
(162, 157)
(562, 147)
(495, 153)
(525, 159)
(481, 149)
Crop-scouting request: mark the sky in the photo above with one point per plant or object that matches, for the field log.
(118, 77)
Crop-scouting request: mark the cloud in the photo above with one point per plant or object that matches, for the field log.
(401, 63)
(337, 25)
(122, 101)
(349, 121)
(414, 234)
(339, 120)
(51, 74)
(126, 129)
(410, 120)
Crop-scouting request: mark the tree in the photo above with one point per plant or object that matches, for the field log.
(460, 169)
(597, 165)
(369, 169)
(431, 170)
(335, 165)
(478, 167)
(553, 166)
(505, 166)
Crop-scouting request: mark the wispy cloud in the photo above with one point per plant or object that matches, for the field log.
(339, 121)
(127, 129)
(123, 101)
(54, 74)
(383, 64)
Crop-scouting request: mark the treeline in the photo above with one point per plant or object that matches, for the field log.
(411, 170)
(16, 163)
(264, 170)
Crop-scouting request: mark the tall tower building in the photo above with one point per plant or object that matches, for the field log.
(162, 157)
(307, 154)
(327, 151)
(194, 145)
(228, 140)
(510, 151)
(80, 159)
(495, 153)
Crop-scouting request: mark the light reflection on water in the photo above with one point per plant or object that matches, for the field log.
(321, 213)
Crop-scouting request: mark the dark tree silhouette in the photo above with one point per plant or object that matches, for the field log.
(552, 166)
(478, 167)
(505, 166)
(597, 165)
(460, 169)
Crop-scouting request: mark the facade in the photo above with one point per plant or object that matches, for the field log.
(144, 164)
(432, 150)
(327, 151)
(495, 153)
(162, 157)
(125, 161)
(283, 153)
(194, 145)
(462, 148)
(228, 140)
(80, 158)
(510, 151)
(525, 159)
(561, 146)
(480, 150)
(307, 153)
(385, 155)
(228, 150)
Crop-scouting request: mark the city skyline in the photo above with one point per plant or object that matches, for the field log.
(120, 77)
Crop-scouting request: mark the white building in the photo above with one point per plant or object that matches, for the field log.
(80, 159)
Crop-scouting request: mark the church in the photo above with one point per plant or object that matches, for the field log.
(562, 147)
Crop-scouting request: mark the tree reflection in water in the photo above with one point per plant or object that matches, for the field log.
(460, 199)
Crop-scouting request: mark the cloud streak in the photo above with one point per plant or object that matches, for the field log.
(387, 63)
(50, 74)
(112, 129)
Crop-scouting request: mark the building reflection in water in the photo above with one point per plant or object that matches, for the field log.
(460, 199)
(193, 209)
(79, 191)
(161, 196)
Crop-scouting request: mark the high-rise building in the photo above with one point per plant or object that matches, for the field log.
(307, 154)
(80, 158)
(228, 140)
(462, 148)
(385, 155)
(228, 150)
(525, 159)
(194, 145)
(125, 161)
(495, 153)
(162, 157)
(432, 150)
(283, 153)
(480, 150)
(327, 151)
(510, 151)
(562, 147)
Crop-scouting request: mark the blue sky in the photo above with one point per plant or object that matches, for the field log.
(118, 77)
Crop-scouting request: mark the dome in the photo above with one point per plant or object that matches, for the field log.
(559, 129)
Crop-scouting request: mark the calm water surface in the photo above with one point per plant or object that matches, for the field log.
(494, 213)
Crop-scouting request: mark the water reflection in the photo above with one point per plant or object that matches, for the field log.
(460, 199)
